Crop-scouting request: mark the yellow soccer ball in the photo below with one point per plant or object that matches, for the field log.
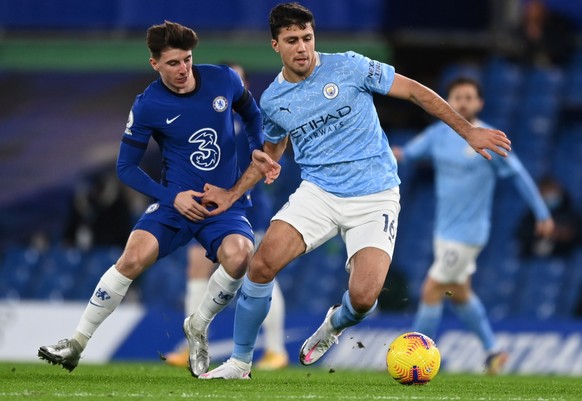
(413, 358)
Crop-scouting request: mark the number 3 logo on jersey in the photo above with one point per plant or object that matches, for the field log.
(207, 153)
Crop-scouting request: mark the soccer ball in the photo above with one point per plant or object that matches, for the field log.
(413, 358)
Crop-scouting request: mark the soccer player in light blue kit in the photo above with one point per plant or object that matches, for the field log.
(323, 102)
(465, 184)
(188, 111)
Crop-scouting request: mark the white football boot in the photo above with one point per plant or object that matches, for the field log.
(317, 345)
(199, 360)
(66, 353)
(233, 369)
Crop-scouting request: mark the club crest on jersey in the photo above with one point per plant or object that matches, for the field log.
(129, 123)
(330, 91)
(152, 208)
(219, 104)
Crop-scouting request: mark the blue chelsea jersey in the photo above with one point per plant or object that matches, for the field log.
(194, 131)
(333, 124)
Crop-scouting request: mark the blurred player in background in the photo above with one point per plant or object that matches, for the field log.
(465, 185)
(324, 103)
(188, 112)
(200, 268)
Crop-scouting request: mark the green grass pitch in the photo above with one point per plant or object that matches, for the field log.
(155, 381)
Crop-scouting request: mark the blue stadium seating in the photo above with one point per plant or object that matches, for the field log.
(501, 77)
(499, 111)
(525, 103)
(573, 91)
(537, 118)
(571, 291)
(17, 271)
(56, 273)
(164, 283)
(566, 161)
(540, 288)
(543, 81)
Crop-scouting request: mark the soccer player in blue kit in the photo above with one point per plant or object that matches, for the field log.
(324, 103)
(188, 112)
(465, 186)
(200, 268)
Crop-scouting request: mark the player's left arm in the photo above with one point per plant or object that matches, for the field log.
(247, 108)
(530, 193)
(478, 138)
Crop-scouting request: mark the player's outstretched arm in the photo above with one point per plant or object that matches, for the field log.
(478, 138)
(262, 165)
(531, 194)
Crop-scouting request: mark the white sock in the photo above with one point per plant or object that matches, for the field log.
(220, 291)
(107, 296)
(195, 291)
(274, 324)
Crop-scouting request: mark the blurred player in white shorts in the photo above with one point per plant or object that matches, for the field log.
(465, 185)
(454, 262)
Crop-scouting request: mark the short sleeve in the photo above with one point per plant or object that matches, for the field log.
(273, 132)
(374, 75)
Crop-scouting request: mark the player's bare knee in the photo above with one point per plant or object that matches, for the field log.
(260, 271)
(235, 249)
(130, 264)
(241, 257)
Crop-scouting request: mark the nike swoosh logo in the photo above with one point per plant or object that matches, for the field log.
(171, 120)
(97, 305)
(307, 357)
(218, 303)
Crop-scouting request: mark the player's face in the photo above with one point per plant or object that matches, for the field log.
(466, 101)
(297, 49)
(175, 68)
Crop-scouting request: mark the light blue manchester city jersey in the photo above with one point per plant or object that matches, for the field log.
(334, 128)
(465, 183)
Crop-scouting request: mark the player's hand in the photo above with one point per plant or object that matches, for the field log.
(219, 199)
(398, 153)
(545, 228)
(267, 166)
(484, 138)
(186, 203)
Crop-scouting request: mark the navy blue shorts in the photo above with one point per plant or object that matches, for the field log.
(172, 230)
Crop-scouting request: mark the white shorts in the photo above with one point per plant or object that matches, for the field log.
(454, 262)
(363, 221)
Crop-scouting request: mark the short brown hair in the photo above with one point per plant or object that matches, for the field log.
(465, 81)
(170, 35)
(287, 14)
